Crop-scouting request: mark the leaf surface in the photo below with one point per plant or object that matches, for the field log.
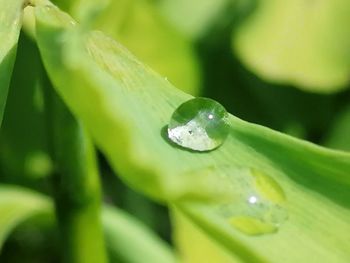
(122, 230)
(139, 26)
(126, 106)
(23, 147)
(17, 205)
(10, 25)
(302, 43)
(338, 137)
(200, 15)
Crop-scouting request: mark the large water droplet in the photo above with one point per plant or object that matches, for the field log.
(199, 124)
(261, 204)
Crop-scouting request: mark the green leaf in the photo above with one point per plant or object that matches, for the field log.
(302, 43)
(126, 106)
(76, 184)
(200, 15)
(121, 230)
(338, 137)
(10, 25)
(17, 205)
(194, 245)
(138, 25)
(23, 149)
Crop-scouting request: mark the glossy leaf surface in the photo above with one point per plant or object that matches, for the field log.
(126, 106)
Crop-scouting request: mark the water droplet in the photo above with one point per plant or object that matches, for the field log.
(268, 187)
(261, 204)
(199, 124)
(252, 226)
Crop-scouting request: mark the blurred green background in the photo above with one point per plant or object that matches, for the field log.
(281, 64)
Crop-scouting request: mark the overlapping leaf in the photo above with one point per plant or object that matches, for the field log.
(19, 204)
(200, 15)
(121, 229)
(303, 43)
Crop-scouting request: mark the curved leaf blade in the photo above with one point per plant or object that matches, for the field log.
(138, 25)
(121, 230)
(191, 241)
(17, 205)
(131, 106)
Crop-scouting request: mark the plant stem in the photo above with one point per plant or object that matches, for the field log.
(76, 185)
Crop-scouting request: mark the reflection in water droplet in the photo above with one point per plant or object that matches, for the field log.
(268, 187)
(261, 205)
(251, 225)
(199, 124)
(252, 199)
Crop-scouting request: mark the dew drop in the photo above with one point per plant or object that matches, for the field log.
(261, 204)
(252, 226)
(199, 124)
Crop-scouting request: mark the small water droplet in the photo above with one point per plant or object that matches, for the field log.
(268, 187)
(199, 124)
(261, 204)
